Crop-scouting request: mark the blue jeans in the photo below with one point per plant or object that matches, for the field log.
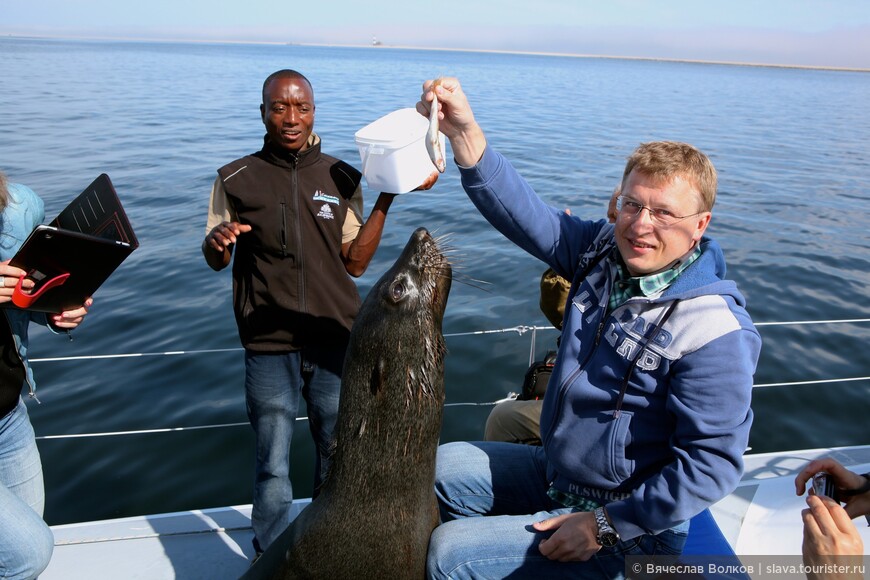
(507, 483)
(26, 542)
(273, 385)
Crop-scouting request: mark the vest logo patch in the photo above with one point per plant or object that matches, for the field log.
(326, 212)
(320, 196)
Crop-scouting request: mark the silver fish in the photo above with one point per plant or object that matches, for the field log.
(433, 142)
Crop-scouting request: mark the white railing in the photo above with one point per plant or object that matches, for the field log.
(521, 330)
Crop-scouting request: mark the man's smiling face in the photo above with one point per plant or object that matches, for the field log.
(288, 112)
(646, 246)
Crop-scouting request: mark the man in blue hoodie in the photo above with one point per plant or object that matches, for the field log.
(647, 413)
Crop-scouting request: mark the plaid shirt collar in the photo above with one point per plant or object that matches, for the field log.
(625, 286)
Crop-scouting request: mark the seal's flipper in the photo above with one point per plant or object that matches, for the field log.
(272, 563)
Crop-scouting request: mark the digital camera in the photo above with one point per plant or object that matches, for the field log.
(823, 484)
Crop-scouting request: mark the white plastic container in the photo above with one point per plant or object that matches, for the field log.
(393, 151)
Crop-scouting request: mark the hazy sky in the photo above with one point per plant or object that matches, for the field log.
(799, 32)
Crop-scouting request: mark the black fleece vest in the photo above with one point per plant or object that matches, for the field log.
(290, 287)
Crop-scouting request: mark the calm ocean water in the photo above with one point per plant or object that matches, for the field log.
(792, 215)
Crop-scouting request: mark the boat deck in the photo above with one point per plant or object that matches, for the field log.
(761, 517)
(207, 544)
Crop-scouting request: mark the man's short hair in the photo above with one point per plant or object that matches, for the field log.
(285, 74)
(665, 160)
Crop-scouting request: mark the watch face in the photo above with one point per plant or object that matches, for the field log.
(608, 539)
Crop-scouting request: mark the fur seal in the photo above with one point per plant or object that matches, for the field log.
(376, 508)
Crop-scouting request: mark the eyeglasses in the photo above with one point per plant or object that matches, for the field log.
(662, 217)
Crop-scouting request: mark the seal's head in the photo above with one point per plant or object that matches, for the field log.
(396, 341)
(416, 286)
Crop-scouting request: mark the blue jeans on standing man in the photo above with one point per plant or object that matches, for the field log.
(507, 483)
(274, 383)
(26, 542)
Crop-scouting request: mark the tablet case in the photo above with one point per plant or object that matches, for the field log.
(71, 257)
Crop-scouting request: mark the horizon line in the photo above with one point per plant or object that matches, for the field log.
(381, 45)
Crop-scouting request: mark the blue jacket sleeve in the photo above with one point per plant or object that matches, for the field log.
(510, 204)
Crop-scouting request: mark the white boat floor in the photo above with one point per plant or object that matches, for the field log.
(761, 517)
(208, 544)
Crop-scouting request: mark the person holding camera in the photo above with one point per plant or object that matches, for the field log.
(519, 420)
(829, 533)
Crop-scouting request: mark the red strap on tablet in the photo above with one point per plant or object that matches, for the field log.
(23, 300)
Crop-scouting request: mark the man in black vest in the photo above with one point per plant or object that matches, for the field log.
(294, 217)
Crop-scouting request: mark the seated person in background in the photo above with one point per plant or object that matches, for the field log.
(830, 536)
(519, 420)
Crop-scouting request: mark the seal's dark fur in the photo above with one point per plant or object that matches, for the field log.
(376, 509)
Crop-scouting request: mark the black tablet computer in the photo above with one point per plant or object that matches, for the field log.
(72, 256)
(97, 211)
(66, 266)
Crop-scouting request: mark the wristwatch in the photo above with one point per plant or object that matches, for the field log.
(607, 536)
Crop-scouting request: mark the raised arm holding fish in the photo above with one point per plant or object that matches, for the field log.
(466, 137)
